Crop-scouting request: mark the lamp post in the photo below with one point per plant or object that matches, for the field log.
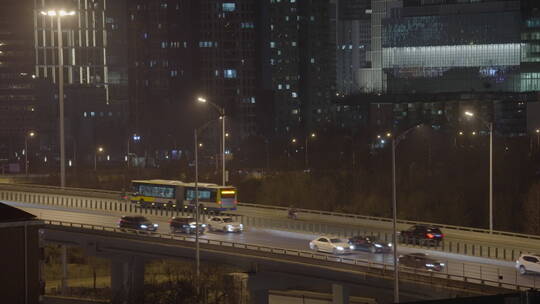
(489, 125)
(395, 142)
(59, 14)
(312, 135)
(221, 111)
(98, 150)
(135, 138)
(196, 146)
(30, 134)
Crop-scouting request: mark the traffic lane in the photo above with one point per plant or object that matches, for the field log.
(457, 265)
(372, 226)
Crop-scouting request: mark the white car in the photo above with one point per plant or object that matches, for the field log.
(528, 262)
(331, 244)
(225, 224)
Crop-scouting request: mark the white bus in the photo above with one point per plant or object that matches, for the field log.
(174, 194)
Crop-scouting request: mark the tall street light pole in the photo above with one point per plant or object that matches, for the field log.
(30, 134)
(221, 111)
(98, 150)
(312, 135)
(59, 14)
(489, 125)
(395, 142)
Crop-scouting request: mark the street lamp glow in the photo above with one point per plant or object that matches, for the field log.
(100, 149)
(293, 140)
(201, 99)
(32, 134)
(470, 114)
(388, 134)
(460, 132)
(226, 134)
(313, 135)
(378, 136)
(200, 145)
(537, 130)
(474, 133)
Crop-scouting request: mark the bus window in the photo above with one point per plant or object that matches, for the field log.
(204, 194)
(156, 191)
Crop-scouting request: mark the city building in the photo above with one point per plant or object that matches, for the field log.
(353, 43)
(94, 72)
(302, 64)
(23, 99)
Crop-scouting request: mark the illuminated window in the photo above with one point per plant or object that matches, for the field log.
(229, 7)
(229, 73)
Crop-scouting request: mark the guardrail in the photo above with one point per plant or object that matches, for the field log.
(462, 272)
(126, 207)
(115, 195)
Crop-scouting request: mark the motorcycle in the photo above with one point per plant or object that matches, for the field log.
(292, 215)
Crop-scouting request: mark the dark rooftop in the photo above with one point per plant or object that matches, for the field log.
(12, 214)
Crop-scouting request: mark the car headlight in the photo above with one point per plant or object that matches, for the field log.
(155, 225)
(442, 264)
(203, 225)
(378, 245)
(339, 248)
(143, 226)
(241, 225)
(352, 247)
(430, 265)
(389, 244)
(192, 226)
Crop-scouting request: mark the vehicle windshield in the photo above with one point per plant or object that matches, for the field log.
(337, 241)
(227, 220)
(434, 230)
(372, 238)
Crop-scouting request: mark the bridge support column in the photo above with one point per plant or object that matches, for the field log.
(64, 281)
(259, 296)
(127, 280)
(340, 294)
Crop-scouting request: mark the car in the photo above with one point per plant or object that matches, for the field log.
(422, 235)
(528, 262)
(137, 222)
(180, 224)
(224, 224)
(332, 245)
(421, 261)
(370, 243)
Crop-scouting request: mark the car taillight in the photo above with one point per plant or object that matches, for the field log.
(219, 202)
(430, 236)
(442, 235)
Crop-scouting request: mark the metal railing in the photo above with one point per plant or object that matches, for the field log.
(461, 272)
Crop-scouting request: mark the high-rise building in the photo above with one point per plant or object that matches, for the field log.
(94, 68)
(303, 67)
(353, 43)
(22, 104)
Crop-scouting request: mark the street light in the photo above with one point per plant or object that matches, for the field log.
(135, 138)
(98, 150)
(312, 135)
(30, 134)
(221, 111)
(490, 128)
(59, 14)
(395, 142)
(196, 147)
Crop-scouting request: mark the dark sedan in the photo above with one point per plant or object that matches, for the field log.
(421, 261)
(137, 223)
(370, 243)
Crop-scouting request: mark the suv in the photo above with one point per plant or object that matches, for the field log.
(225, 224)
(137, 222)
(422, 234)
(185, 225)
(528, 262)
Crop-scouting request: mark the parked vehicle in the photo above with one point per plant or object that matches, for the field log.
(224, 224)
(528, 262)
(137, 222)
(331, 245)
(187, 225)
(370, 243)
(421, 261)
(422, 235)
